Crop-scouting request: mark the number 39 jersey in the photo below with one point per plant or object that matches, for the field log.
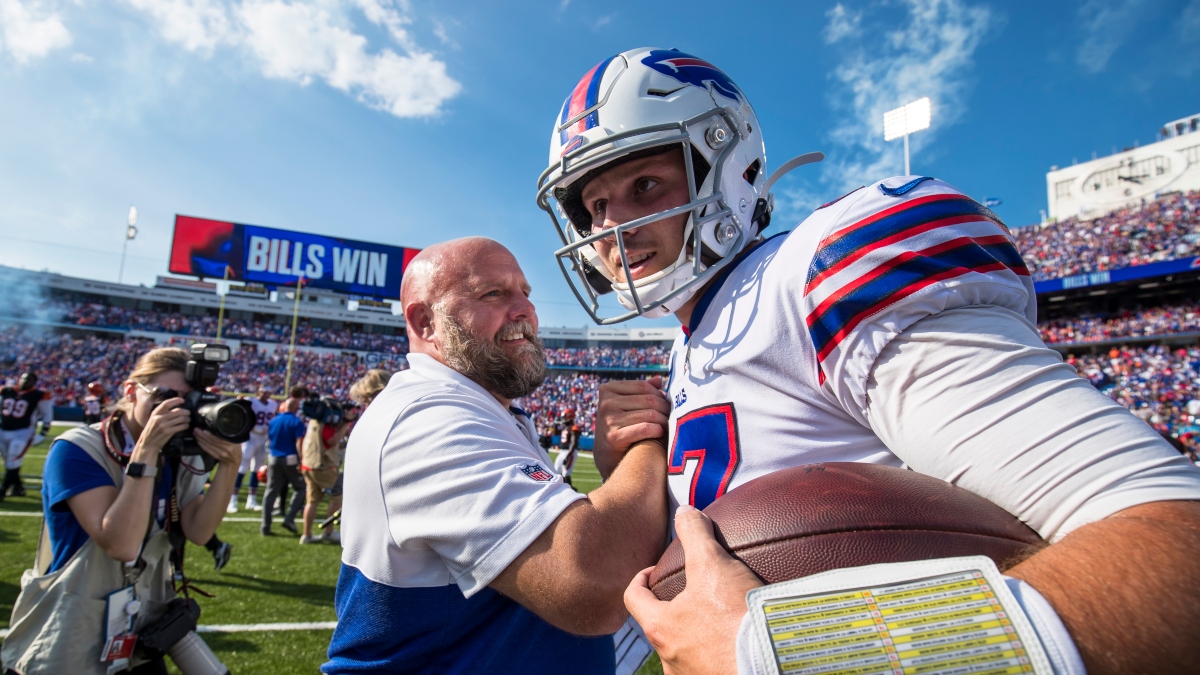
(17, 408)
(772, 372)
(263, 413)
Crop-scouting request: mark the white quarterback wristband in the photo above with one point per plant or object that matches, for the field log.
(931, 616)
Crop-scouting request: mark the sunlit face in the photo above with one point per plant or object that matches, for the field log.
(147, 397)
(492, 299)
(633, 190)
(487, 328)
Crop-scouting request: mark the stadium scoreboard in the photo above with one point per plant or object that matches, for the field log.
(220, 249)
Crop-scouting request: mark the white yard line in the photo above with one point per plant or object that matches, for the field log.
(263, 627)
(38, 514)
(248, 627)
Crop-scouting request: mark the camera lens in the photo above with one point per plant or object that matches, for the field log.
(230, 420)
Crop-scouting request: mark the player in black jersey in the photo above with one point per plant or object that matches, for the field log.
(20, 410)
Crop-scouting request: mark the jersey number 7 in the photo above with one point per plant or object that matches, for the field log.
(710, 436)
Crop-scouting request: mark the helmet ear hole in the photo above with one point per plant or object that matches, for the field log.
(752, 171)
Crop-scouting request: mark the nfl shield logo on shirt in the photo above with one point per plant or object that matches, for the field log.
(536, 472)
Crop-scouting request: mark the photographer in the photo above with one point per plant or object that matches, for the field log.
(366, 388)
(114, 509)
(321, 457)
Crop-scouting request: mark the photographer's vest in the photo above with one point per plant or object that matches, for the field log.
(313, 453)
(58, 620)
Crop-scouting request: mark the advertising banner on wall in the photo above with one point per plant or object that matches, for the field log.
(215, 248)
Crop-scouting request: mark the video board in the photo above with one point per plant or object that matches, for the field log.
(274, 257)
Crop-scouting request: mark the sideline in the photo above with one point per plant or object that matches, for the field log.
(248, 627)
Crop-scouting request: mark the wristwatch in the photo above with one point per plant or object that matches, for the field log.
(140, 470)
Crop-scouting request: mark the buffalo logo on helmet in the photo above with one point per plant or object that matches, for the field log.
(536, 472)
(691, 70)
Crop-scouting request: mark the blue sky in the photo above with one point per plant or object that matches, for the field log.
(415, 122)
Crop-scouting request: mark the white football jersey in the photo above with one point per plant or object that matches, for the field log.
(772, 372)
(263, 413)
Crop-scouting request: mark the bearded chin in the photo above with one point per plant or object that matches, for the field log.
(487, 363)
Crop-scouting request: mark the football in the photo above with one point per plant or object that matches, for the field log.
(819, 517)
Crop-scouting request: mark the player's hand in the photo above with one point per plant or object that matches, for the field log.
(166, 420)
(229, 454)
(38, 438)
(696, 633)
(629, 411)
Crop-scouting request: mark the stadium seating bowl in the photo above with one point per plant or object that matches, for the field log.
(820, 517)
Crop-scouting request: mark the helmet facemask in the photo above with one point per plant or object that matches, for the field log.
(713, 232)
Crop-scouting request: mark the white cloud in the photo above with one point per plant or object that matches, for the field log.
(196, 25)
(309, 40)
(300, 42)
(30, 31)
(1106, 24)
(386, 14)
(603, 21)
(80, 57)
(843, 23)
(929, 53)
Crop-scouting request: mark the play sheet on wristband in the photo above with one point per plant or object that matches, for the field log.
(932, 617)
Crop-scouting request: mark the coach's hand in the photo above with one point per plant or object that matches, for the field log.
(629, 411)
(696, 633)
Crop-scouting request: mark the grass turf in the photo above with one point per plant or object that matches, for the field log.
(268, 580)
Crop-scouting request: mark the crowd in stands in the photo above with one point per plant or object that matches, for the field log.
(1177, 318)
(559, 393)
(65, 365)
(1164, 229)
(1159, 384)
(123, 318)
(650, 356)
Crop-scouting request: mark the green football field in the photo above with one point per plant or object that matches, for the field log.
(268, 580)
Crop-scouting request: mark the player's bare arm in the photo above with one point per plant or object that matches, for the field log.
(628, 411)
(575, 573)
(1121, 584)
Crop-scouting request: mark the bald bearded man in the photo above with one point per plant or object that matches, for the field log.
(463, 551)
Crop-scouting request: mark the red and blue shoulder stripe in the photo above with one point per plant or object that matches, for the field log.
(890, 255)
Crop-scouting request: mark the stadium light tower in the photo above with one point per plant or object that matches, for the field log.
(130, 233)
(905, 120)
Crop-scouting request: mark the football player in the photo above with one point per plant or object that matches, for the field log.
(254, 451)
(895, 326)
(564, 463)
(20, 411)
(93, 403)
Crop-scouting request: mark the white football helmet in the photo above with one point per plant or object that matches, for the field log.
(642, 102)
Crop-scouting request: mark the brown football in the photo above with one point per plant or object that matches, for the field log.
(809, 519)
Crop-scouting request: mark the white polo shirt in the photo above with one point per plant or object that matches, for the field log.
(444, 487)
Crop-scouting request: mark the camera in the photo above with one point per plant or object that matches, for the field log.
(328, 410)
(230, 420)
(174, 634)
